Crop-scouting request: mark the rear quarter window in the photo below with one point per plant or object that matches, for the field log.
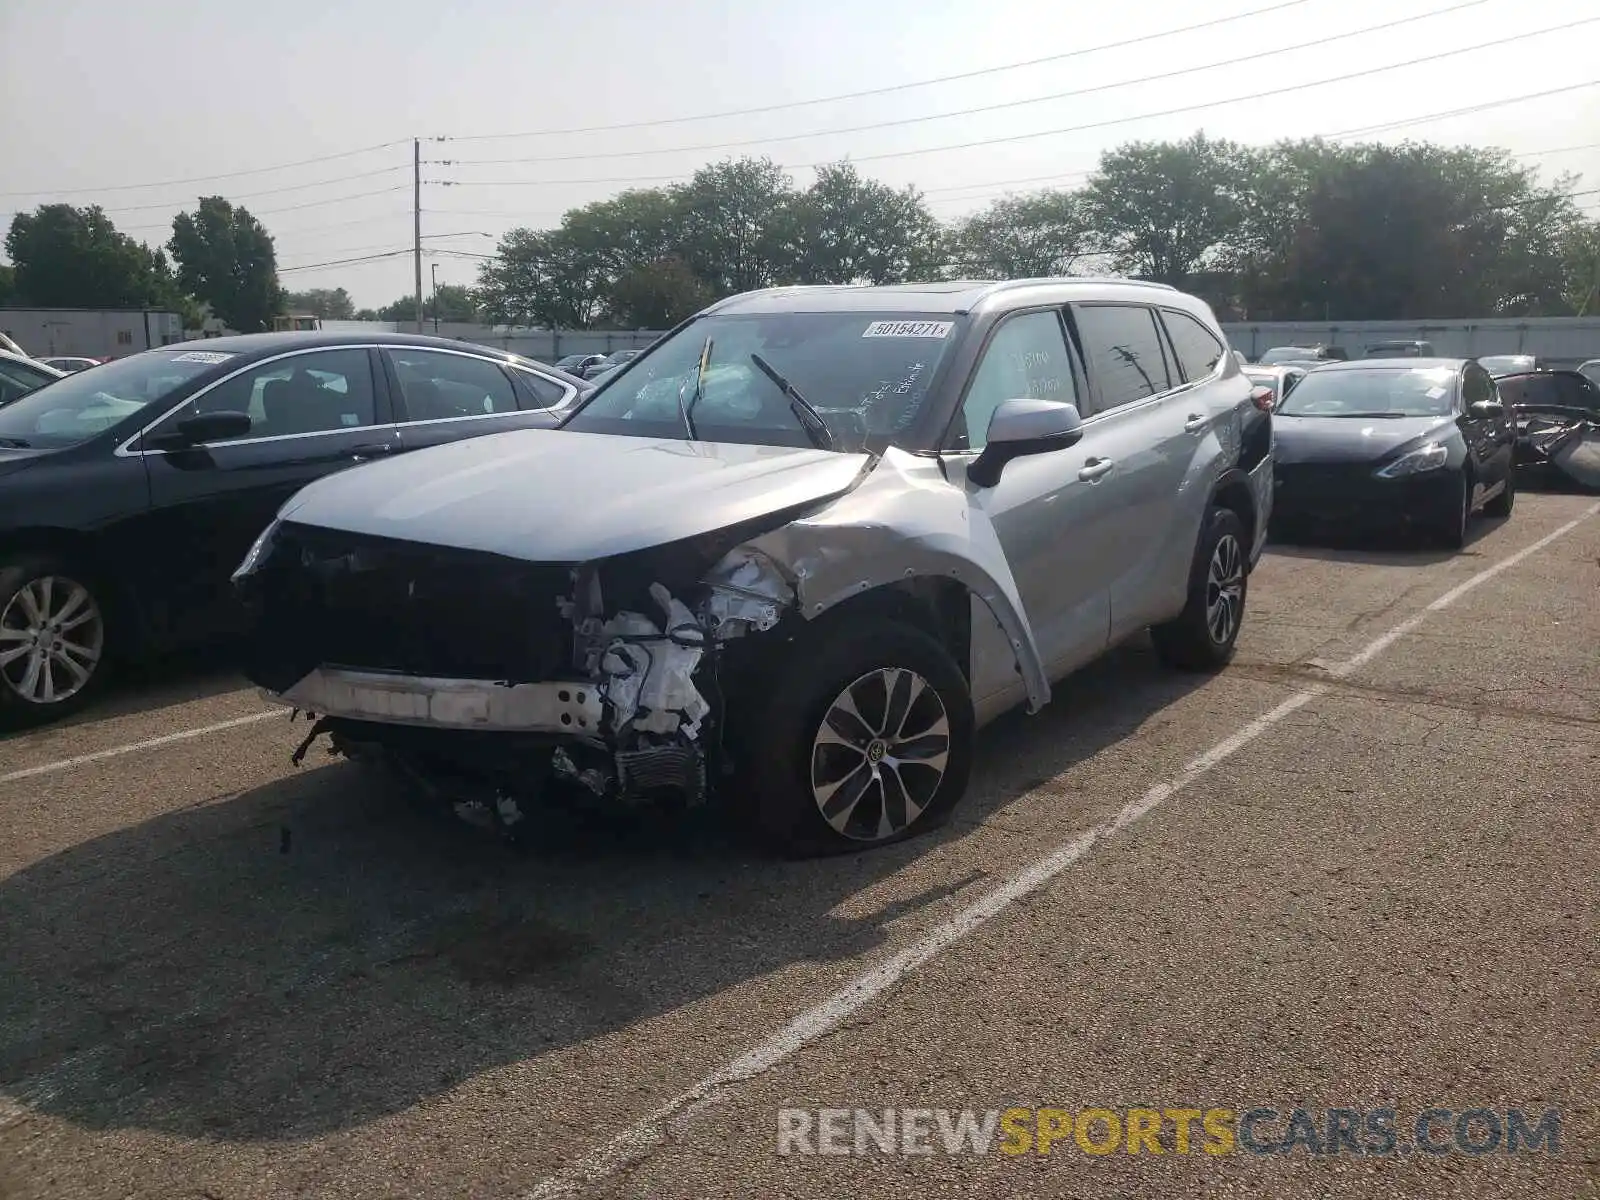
(1198, 349)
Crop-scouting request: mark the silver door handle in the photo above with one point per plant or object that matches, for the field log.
(1096, 468)
(1196, 423)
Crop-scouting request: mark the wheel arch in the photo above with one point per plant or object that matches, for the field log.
(83, 552)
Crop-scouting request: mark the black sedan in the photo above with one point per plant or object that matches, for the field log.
(1423, 442)
(129, 493)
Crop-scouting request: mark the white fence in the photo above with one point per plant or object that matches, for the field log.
(1564, 341)
(546, 345)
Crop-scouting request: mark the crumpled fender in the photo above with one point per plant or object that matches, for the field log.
(903, 520)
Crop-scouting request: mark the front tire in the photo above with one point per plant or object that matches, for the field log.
(1203, 636)
(864, 739)
(1502, 504)
(52, 641)
(1453, 534)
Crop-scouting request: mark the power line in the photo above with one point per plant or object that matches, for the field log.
(1461, 112)
(1230, 63)
(343, 262)
(125, 187)
(298, 187)
(1297, 87)
(883, 91)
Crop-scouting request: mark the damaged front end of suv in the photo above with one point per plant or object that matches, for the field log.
(490, 673)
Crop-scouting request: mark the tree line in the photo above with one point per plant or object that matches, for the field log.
(1299, 230)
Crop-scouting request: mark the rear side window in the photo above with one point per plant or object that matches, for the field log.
(1122, 351)
(444, 387)
(539, 392)
(1198, 349)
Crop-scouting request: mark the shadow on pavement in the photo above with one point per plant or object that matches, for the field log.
(314, 954)
(1396, 548)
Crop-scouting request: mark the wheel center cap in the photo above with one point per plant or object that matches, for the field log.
(876, 750)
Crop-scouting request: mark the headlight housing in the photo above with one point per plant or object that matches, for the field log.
(1424, 458)
(257, 551)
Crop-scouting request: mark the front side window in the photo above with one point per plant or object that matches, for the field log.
(1197, 347)
(1026, 359)
(71, 410)
(1477, 387)
(868, 374)
(1373, 392)
(442, 387)
(306, 393)
(1122, 352)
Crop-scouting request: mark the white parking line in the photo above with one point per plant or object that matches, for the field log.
(148, 744)
(640, 1139)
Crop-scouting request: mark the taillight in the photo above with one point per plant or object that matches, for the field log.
(1261, 397)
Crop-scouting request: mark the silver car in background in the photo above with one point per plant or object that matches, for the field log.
(791, 557)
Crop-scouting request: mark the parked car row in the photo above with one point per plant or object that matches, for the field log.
(789, 557)
(592, 366)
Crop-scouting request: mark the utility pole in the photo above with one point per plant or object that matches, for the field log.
(434, 270)
(416, 215)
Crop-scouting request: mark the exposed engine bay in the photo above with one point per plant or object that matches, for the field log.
(618, 669)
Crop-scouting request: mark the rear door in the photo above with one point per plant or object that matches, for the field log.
(446, 395)
(313, 412)
(1147, 424)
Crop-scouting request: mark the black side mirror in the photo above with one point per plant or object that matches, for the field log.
(201, 428)
(1022, 427)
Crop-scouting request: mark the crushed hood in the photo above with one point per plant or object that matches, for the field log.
(1350, 439)
(547, 495)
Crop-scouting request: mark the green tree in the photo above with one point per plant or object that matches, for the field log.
(330, 303)
(846, 229)
(8, 284)
(657, 295)
(70, 257)
(732, 232)
(1580, 264)
(226, 258)
(543, 277)
(1022, 237)
(1168, 209)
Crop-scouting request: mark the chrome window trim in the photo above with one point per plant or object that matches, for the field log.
(123, 450)
(567, 390)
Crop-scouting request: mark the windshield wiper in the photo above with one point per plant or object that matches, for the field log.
(816, 428)
(686, 411)
(11, 443)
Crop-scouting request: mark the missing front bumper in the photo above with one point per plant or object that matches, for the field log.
(469, 704)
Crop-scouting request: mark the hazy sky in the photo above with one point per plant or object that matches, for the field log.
(102, 97)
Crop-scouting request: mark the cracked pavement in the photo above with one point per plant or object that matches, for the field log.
(226, 977)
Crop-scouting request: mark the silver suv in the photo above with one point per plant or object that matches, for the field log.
(790, 557)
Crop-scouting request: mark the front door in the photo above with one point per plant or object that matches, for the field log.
(1048, 510)
(313, 413)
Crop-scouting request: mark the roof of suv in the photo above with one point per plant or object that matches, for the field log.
(955, 297)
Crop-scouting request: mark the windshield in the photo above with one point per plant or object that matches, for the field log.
(866, 374)
(1373, 392)
(1505, 364)
(75, 408)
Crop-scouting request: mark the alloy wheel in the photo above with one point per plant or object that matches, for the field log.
(880, 755)
(51, 638)
(1224, 589)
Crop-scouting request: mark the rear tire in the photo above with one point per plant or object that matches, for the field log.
(1203, 636)
(863, 739)
(52, 640)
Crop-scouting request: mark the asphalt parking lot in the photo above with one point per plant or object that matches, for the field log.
(1356, 869)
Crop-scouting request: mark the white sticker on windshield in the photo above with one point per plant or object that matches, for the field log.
(1435, 392)
(201, 356)
(912, 329)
